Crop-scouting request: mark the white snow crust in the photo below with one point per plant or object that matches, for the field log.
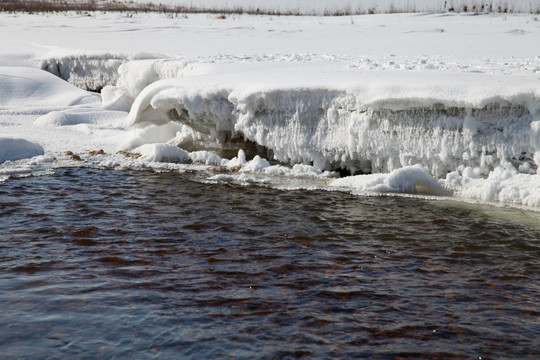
(27, 90)
(428, 104)
(12, 149)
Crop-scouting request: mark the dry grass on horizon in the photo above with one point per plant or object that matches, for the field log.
(79, 6)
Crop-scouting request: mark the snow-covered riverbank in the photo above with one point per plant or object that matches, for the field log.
(436, 104)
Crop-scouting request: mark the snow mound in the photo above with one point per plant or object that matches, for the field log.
(162, 153)
(12, 149)
(207, 158)
(409, 179)
(27, 90)
(257, 164)
(78, 116)
(151, 135)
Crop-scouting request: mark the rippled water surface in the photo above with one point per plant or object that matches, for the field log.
(104, 264)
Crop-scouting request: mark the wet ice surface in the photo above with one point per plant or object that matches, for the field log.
(109, 264)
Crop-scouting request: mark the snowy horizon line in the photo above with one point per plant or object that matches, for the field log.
(251, 8)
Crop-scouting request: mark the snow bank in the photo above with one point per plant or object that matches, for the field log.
(134, 76)
(41, 108)
(12, 149)
(407, 129)
(90, 71)
(364, 121)
(432, 105)
(27, 90)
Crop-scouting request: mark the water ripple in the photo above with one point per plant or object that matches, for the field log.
(105, 264)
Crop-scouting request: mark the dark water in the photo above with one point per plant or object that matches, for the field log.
(130, 265)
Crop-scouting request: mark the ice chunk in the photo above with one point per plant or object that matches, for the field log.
(207, 158)
(503, 185)
(258, 164)
(239, 160)
(409, 179)
(162, 153)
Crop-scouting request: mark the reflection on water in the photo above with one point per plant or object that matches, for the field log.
(104, 264)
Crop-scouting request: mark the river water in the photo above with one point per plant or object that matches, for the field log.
(138, 265)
